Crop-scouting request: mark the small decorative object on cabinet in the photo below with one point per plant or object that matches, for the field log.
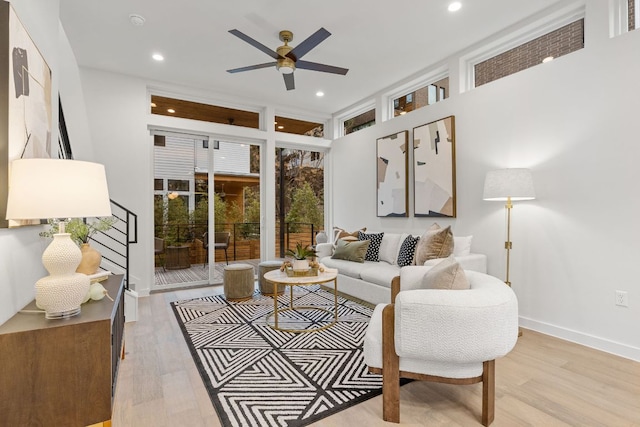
(62, 373)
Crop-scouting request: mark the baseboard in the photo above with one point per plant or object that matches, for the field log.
(130, 306)
(598, 343)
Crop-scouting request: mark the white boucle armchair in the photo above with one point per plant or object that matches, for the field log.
(447, 336)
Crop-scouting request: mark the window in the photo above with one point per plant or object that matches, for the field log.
(426, 95)
(158, 184)
(359, 122)
(159, 141)
(299, 127)
(554, 44)
(203, 112)
(631, 14)
(178, 185)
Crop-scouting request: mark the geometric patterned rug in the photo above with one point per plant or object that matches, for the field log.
(258, 376)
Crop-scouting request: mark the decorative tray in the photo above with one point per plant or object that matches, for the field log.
(312, 271)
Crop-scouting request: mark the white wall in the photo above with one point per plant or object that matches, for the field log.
(574, 122)
(21, 249)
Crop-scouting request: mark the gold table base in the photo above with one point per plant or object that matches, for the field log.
(278, 278)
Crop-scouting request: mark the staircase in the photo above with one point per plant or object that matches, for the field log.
(114, 243)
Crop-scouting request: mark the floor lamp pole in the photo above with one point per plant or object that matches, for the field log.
(507, 244)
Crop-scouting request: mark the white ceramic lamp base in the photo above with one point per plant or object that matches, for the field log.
(61, 293)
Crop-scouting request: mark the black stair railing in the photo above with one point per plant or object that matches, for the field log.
(114, 244)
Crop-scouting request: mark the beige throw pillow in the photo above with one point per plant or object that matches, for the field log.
(351, 251)
(447, 274)
(435, 243)
(340, 233)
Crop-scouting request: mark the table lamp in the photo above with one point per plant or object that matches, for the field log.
(60, 189)
(509, 185)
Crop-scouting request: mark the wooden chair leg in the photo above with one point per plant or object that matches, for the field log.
(488, 392)
(390, 368)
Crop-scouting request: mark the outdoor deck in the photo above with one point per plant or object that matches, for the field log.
(196, 274)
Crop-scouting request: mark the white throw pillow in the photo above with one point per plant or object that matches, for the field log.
(389, 248)
(461, 245)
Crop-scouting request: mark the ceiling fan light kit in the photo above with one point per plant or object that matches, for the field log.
(287, 57)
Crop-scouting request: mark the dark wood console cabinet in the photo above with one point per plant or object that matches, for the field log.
(62, 372)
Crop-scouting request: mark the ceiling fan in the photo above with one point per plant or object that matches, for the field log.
(222, 194)
(287, 58)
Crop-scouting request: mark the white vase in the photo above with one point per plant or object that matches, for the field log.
(300, 265)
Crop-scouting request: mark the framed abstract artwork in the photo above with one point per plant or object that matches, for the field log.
(392, 157)
(25, 102)
(434, 169)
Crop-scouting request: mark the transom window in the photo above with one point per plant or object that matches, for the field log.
(426, 95)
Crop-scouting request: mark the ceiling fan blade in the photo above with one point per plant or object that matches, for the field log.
(252, 67)
(314, 66)
(256, 44)
(309, 43)
(288, 81)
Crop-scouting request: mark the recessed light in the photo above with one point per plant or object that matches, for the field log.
(136, 19)
(280, 127)
(157, 57)
(171, 110)
(547, 59)
(402, 113)
(319, 93)
(455, 6)
(153, 105)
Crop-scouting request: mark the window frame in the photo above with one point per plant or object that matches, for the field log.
(490, 48)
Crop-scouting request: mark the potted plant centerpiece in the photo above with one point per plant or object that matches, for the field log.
(301, 255)
(81, 232)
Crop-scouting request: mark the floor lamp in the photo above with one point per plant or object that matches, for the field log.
(60, 189)
(508, 185)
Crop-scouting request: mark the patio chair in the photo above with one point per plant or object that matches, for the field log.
(159, 250)
(221, 241)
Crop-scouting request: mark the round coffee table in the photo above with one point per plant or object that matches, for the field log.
(278, 277)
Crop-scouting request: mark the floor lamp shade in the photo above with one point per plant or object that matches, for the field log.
(52, 188)
(502, 184)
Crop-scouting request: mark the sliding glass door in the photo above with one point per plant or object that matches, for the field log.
(189, 249)
(299, 197)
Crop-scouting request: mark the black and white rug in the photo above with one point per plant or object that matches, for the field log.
(258, 376)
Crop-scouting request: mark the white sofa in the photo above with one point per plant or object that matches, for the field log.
(371, 281)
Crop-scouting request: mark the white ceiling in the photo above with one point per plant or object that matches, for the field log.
(380, 41)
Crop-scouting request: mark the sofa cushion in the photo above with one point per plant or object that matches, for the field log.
(375, 240)
(347, 268)
(407, 251)
(380, 273)
(389, 247)
(447, 274)
(340, 233)
(462, 245)
(435, 243)
(351, 251)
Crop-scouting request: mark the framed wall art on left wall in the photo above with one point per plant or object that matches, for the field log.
(25, 102)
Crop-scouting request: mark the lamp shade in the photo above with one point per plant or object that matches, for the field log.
(515, 183)
(52, 188)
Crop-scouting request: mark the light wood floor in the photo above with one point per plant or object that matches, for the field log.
(544, 381)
